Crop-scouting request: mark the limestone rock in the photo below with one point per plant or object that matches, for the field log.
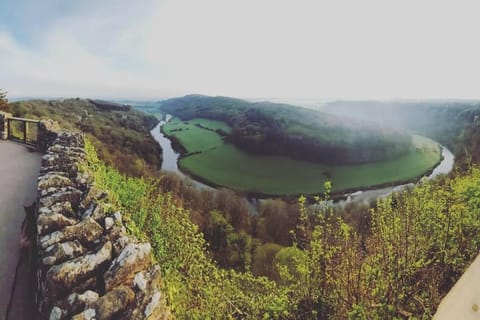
(63, 277)
(86, 232)
(109, 306)
(57, 148)
(57, 173)
(70, 139)
(61, 252)
(47, 223)
(71, 169)
(72, 195)
(120, 243)
(97, 212)
(118, 217)
(115, 232)
(73, 304)
(132, 259)
(64, 208)
(61, 161)
(93, 194)
(82, 180)
(89, 284)
(109, 223)
(149, 302)
(53, 180)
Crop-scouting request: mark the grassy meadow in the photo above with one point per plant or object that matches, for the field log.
(196, 135)
(223, 164)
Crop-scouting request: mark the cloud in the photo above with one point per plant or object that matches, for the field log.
(268, 48)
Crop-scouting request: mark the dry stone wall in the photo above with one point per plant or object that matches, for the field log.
(88, 267)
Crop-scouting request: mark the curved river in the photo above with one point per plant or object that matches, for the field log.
(170, 157)
(170, 163)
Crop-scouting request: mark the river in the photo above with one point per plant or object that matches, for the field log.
(169, 156)
(364, 197)
(170, 163)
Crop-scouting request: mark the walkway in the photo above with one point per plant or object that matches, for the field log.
(19, 169)
(463, 300)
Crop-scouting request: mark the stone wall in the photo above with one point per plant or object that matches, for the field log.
(87, 267)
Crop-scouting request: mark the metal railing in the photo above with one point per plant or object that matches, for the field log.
(23, 130)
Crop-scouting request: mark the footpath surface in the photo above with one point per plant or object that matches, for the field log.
(463, 300)
(19, 168)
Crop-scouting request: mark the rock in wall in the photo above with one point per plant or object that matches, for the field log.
(87, 267)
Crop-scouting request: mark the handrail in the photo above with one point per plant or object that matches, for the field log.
(22, 134)
(24, 119)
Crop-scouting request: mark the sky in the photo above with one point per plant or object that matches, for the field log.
(147, 49)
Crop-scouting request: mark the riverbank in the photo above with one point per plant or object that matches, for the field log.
(339, 195)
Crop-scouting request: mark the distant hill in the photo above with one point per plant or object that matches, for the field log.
(272, 128)
(120, 134)
(110, 106)
(455, 124)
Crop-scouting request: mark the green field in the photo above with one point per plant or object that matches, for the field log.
(193, 135)
(224, 164)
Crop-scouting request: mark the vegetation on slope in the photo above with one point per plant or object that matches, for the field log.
(196, 288)
(413, 247)
(120, 134)
(279, 129)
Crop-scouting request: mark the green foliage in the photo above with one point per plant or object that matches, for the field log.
(195, 287)
(121, 136)
(280, 129)
(264, 260)
(3, 101)
(420, 242)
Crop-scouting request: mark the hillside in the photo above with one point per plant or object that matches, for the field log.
(120, 134)
(449, 122)
(281, 129)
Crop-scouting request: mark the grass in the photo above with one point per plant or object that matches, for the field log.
(224, 164)
(197, 135)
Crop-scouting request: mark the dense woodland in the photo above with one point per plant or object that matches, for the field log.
(120, 134)
(280, 129)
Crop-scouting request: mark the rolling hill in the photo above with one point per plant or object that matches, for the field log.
(280, 129)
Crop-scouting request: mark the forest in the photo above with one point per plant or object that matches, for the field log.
(280, 129)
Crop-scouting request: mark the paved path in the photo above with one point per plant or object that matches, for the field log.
(19, 169)
(463, 300)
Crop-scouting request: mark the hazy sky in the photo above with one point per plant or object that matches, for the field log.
(245, 48)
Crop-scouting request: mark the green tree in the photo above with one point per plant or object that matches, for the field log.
(3, 101)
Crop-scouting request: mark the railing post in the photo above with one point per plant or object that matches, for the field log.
(25, 131)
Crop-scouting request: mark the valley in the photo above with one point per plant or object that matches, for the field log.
(211, 155)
